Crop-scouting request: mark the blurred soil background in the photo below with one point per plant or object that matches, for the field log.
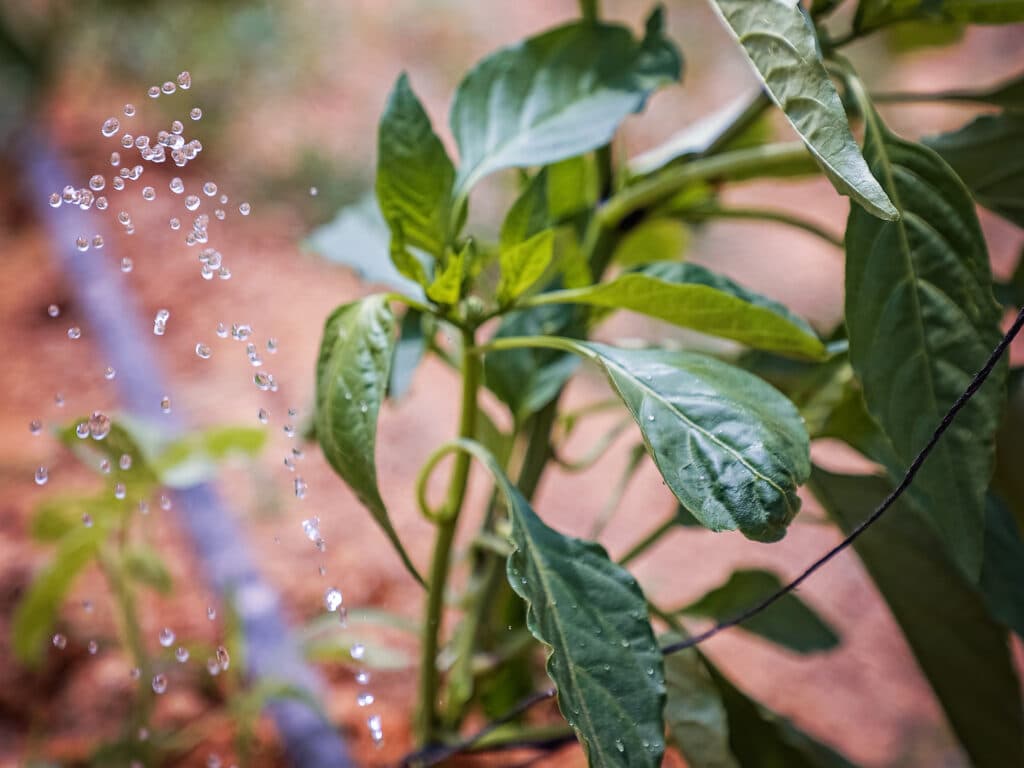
(290, 93)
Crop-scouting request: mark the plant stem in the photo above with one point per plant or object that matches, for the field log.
(125, 600)
(589, 10)
(649, 540)
(426, 718)
(736, 165)
(764, 214)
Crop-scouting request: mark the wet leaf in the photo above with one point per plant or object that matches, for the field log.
(780, 42)
(352, 374)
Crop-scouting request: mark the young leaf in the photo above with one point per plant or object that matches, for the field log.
(694, 712)
(555, 96)
(690, 296)
(872, 14)
(760, 738)
(35, 614)
(985, 153)
(523, 264)
(358, 238)
(351, 377)
(730, 447)
(961, 650)
(414, 174)
(592, 614)
(789, 622)
(922, 320)
(780, 42)
(447, 285)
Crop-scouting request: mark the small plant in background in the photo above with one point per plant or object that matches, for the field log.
(139, 466)
(590, 234)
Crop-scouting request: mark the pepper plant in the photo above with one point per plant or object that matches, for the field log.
(591, 234)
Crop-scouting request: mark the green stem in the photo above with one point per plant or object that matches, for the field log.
(589, 10)
(765, 214)
(130, 627)
(735, 165)
(649, 540)
(426, 717)
(743, 121)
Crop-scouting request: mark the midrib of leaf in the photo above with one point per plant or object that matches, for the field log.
(696, 427)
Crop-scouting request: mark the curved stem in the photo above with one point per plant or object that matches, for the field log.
(649, 540)
(426, 717)
(765, 214)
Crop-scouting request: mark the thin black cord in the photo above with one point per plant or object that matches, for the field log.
(889, 500)
(436, 756)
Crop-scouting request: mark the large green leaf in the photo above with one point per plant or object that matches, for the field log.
(556, 95)
(694, 712)
(780, 41)
(414, 174)
(985, 153)
(591, 613)
(358, 238)
(961, 650)
(729, 446)
(872, 14)
(788, 622)
(351, 379)
(760, 738)
(37, 610)
(922, 321)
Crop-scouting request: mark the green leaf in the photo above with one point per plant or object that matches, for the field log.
(414, 174)
(144, 565)
(694, 712)
(788, 622)
(961, 650)
(524, 264)
(730, 447)
(872, 14)
(37, 609)
(351, 377)
(922, 321)
(409, 349)
(58, 515)
(358, 238)
(556, 95)
(693, 297)
(780, 41)
(653, 240)
(447, 285)
(592, 614)
(193, 459)
(986, 155)
(760, 738)
(120, 441)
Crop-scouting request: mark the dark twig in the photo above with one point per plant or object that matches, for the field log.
(434, 757)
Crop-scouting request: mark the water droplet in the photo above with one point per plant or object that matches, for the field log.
(223, 659)
(192, 202)
(159, 683)
(120, 491)
(129, 110)
(148, 193)
(165, 503)
(35, 426)
(376, 732)
(97, 182)
(93, 647)
(211, 612)
(362, 677)
(184, 80)
(209, 189)
(74, 332)
(619, 745)
(357, 651)
(289, 430)
(212, 666)
(244, 208)
(166, 637)
(134, 673)
(60, 642)
(364, 699)
(165, 404)
(300, 488)
(177, 127)
(42, 475)
(127, 264)
(99, 425)
(313, 191)
(168, 87)
(125, 462)
(109, 373)
(105, 466)
(111, 126)
(203, 351)
(181, 654)
(82, 243)
(262, 416)
(333, 599)
(58, 400)
(143, 507)
(55, 201)
(97, 241)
